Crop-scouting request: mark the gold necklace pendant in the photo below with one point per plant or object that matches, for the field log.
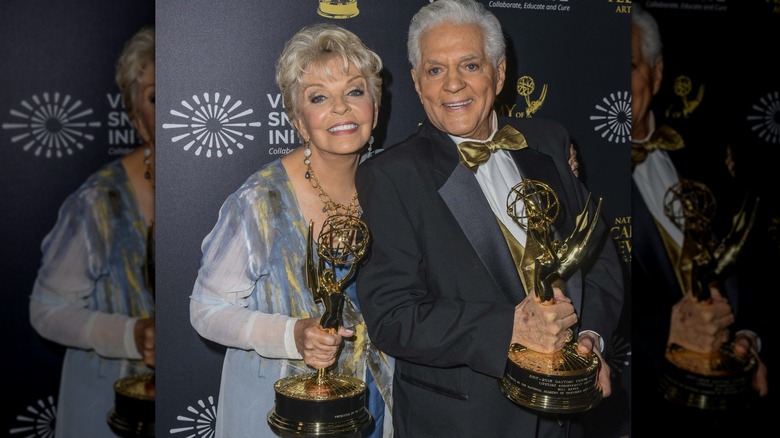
(329, 205)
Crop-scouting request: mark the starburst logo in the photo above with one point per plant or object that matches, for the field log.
(614, 118)
(51, 125)
(213, 125)
(39, 423)
(201, 423)
(766, 120)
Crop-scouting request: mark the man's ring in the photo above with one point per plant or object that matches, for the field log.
(569, 335)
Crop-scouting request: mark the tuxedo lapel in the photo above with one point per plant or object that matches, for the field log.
(536, 166)
(465, 199)
(460, 190)
(648, 249)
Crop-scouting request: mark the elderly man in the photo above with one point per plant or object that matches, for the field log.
(440, 290)
(664, 312)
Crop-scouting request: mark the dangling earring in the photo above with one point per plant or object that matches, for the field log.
(370, 145)
(148, 162)
(306, 160)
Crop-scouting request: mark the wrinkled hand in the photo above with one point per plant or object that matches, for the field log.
(745, 344)
(573, 162)
(587, 343)
(543, 327)
(143, 331)
(318, 346)
(701, 326)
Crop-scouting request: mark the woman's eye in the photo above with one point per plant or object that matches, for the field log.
(357, 92)
(317, 99)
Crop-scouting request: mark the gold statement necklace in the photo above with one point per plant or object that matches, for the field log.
(329, 205)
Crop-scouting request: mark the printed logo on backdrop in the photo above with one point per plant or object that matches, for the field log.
(536, 5)
(621, 6)
(525, 88)
(688, 5)
(38, 421)
(338, 9)
(683, 86)
(212, 125)
(51, 125)
(613, 117)
(199, 422)
(765, 117)
(621, 235)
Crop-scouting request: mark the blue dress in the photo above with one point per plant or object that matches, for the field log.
(250, 292)
(89, 293)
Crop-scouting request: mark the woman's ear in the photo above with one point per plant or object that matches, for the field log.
(140, 129)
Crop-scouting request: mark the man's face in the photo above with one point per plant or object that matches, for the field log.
(455, 80)
(645, 83)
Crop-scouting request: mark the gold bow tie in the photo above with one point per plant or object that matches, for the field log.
(664, 138)
(473, 153)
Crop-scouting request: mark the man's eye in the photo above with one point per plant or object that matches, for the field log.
(433, 71)
(472, 67)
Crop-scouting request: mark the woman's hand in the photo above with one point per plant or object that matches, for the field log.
(144, 339)
(319, 347)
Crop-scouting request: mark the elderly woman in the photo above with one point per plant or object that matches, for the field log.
(90, 295)
(250, 293)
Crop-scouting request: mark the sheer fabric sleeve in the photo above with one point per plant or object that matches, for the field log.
(235, 256)
(74, 256)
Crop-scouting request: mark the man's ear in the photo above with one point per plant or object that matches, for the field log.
(658, 74)
(416, 83)
(501, 74)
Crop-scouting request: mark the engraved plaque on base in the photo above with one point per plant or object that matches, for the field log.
(560, 382)
(322, 403)
(712, 381)
(719, 380)
(563, 381)
(133, 412)
(306, 406)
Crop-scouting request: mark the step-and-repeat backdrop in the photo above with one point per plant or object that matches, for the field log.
(721, 89)
(568, 60)
(61, 118)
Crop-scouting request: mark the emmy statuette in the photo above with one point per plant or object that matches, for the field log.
(563, 381)
(323, 403)
(133, 413)
(720, 379)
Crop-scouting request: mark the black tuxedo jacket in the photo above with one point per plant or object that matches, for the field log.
(438, 287)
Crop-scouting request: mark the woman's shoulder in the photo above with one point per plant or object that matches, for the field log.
(268, 182)
(108, 182)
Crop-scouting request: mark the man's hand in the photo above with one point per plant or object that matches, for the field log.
(744, 345)
(543, 327)
(586, 343)
(701, 326)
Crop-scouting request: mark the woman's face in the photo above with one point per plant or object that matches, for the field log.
(337, 112)
(144, 105)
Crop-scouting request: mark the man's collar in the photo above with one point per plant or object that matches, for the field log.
(493, 130)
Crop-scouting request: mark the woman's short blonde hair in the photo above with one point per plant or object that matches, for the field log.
(137, 54)
(316, 45)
